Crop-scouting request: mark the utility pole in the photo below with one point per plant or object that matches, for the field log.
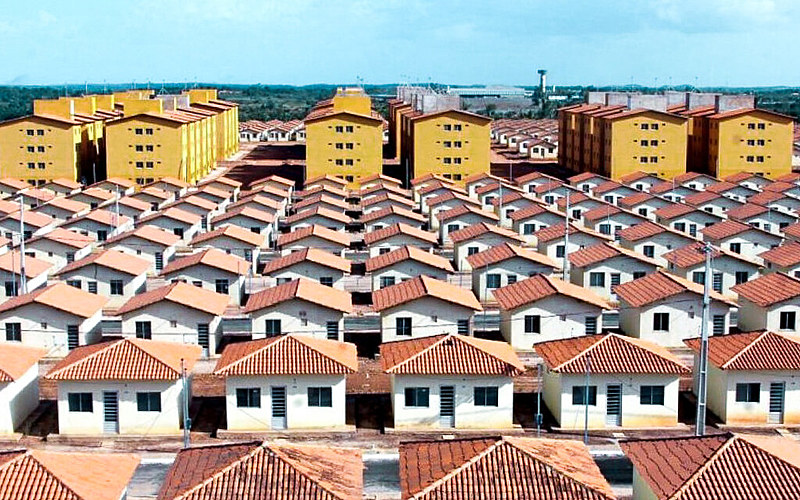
(702, 379)
(566, 239)
(586, 399)
(22, 278)
(116, 212)
(538, 400)
(187, 422)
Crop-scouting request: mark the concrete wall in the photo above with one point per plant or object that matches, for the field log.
(46, 327)
(162, 314)
(291, 313)
(131, 285)
(18, 399)
(561, 317)
(429, 316)
(518, 267)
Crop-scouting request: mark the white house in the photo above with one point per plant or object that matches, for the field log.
(551, 241)
(211, 269)
(460, 217)
(109, 273)
(636, 390)
(100, 224)
(333, 192)
(389, 216)
(761, 217)
(532, 218)
(770, 302)
(653, 240)
(177, 312)
(731, 190)
(132, 207)
(780, 202)
(201, 207)
(36, 273)
(612, 192)
(94, 197)
(640, 181)
(325, 180)
(505, 264)
(223, 184)
(59, 247)
(672, 191)
(712, 203)
(422, 307)
(727, 269)
(741, 238)
(319, 216)
(33, 223)
(290, 382)
(404, 264)
(603, 266)
(259, 202)
(784, 258)
(300, 306)
(384, 201)
(644, 204)
(179, 222)
(749, 180)
(543, 308)
(444, 202)
(579, 204)
(473, 182)
(171, 184)
(116, 185)
(19, 384)
(63, 186)
(694, 181)
(125, 387)
(477, 238)
(398, 235)
(234, 240)
(512, 202)
(247, 217)
(611, 219)
(149, 243)
(433, 388)
(685, 218)
(667, 309)
(321, 237)
(155, 197)
(322, 200)
(275, 181)
(528, 182)
(752, 377)
(56, 318)
(312, 263)
(62, 208)
(584, 182)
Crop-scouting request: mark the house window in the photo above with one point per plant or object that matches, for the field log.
(272, 327)
(451, 228)
(661, 322)
(528, 228)
(486, 396)
(748, 392)
(742, 277)
(605, 228)
(590, 325)
(639, 274)
(403, 326)
(92, 286)
(492, 281)
(80, 402)
(699, 277)
(102, 235)
(512, 278)
(560, 251)
(386, 281)
(581, 398)
(249, 397)
(417, 397)
(74, 283)
(651, 395)
(718, 324)
(221, 286)
(472, 250)
(148, 401)
(144, 330)
(11, 288)
(326, 280)
(716, 282)
(463, 327)
(680, 226)
(533, 323)
(332, 330)
(597, 279)
(788, 320)
(14, 332)
(320, 397)
(178, 231)
(736, 247)
(384, 250)
(116, 287)
(70, 257)
(616, 279)
(649, 251)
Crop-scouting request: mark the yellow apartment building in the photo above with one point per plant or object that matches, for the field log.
(452, 143)
(226, 119)
(344, 137)
(396, 108)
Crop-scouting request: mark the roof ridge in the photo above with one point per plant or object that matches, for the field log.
(466, 339)
(298, 339)
(746, 348)
(291, 463)
(28, 453)
(477, 457)
(421, 352)
(251, 354)
(151, 356)
(221, 471)
(679, 492)
(583, 352)
(111, 344)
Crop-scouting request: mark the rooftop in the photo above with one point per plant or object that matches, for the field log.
(288, 355)
(422, 287)
(301, 289)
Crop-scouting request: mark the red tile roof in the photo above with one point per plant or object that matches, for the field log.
(421, 287)
(373, 237)
(59, 296)
(752, 351)
(393, 198)
(321, 199)
(319, 211)
(237, 233)
(725, 229)
(110, 259)
(785, 255)
(556, 231)
(264, 471)
(675, 210)
(482, 228)
(152, 234)
(792, 230)
(182, 294)
(318, 231)
(531, 211)
(689, 255)
(393, 210)
(635, 199)
(66, 237)
(747, 211)
(659, 286)
(247, 211)
(288, 355)
(506, 251)
(609, 353)
(540, 286)
(407, 253)
(769, 289)
(646, 230)
(172, 213)
(10, 262)
(315, 255)
(602, 252)
(601, 212)
(211, 257)
(301, 289)
(460, 210)
(69, 205)
(126, 359)
(500, 468)
(16, 359)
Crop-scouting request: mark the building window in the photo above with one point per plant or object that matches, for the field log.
(139, 131)
(339, 129)
(597, 279)
(639, 274)
(386, 281)
(472, 250)
(417, 397)
(528, 229)
(486, 396)
(605, 228)
(320, 397)
(148, 131)
(748, 392)
(221, 286)
(74, 283)
(736, 247)
(651, 395)
(446, 127)
(761, 126)
(339, 145)
(403, 326)
(348, 128)
(143, 330)
(492, 281)
(116, 287)
(80, 402)
(148, 401)
(12, 288)
(579, 395)
(649, 251)
(178, 231)
(590, 325)
(92, 287)
(148, 164)
(349, 145)
(533, 324)
(272, 327)
(742, 277)
(699, 277)
(249, 397)
(14, 332)
(788, 320)
(463, 327)
(661, 322)
(326, 280)
(102, 235)
(139, 148)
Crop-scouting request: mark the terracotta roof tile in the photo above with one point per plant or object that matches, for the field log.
(531, 211)
(635, 199)
(16, 359)
(391, 197)
(288, 355)
(604, 251)
(155, 192)
(747, 211)
(609, 353)
(331, 191)
(400, 228)
(69, 205)
(608, 186)
(635, 176)
(769, 289)
(792, 230)
(540, 286)
(172, 213)
(420, 287)
(779, 187)
(10, 262)
(450, 355)
(482, 228)
(316, 230)
(33, 219)
(327, 177)
(59, 296)
(406, 253)
(247, 211)
(393, 210)
(725, 229)
(126, 359)
(153, 234)
(675, 210)
(506, 251)
(556, 231)
(111, 259)
(601, 212)
(301, 289)
(96, 193)
(785, 255)
(585, 176)
(65, 237)
(196, 201)
(752, 351)
(315, 255)
(237, 233)
(647, 229)
(211, 257)
(460, 210)
(721, 187)
(384, 188)
(182, 294)
(317, 199)
(702, 197)
(766, 197)
(135, 203)
(319, 211)
(659, 286)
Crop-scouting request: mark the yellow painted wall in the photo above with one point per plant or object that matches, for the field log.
(624, 138)
(61, 154)
(353, 100)
(729, 149)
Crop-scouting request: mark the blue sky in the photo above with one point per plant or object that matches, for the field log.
(708, 42)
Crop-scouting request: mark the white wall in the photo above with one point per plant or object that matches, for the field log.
(753, 317)
(314, 242)
(405, 270)
(482, 242)
(311, 271)
(143, 249)
(622, 265)
(18, 399)
(429, 316)
(516, 266)
(291, 313)
(131, 285)
(397, 241)
(161, 314)
(54, 252)
(207, 276)
(46, 327)
(561, 317)
(723, 264)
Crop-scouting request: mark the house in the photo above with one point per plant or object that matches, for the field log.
(490, 193)
(422, 307)
(550, 241)
(223, 184)
(505, 264)
(438, 190)
(325, 180)
(177, 312)
(542, 308)
(249, 470)
(468, 468)
(171, 184)
(182, 224)
(640, 181)
(532, 218)
(126, 387)
(386, 200)
(100, 224)
(150, 243)
(55, 475)
(378, 189)
(36, 273)
(760, 217)
(552, 192)
(388, 216)
(752, 181)
(780, 202)
(685, 218)
(404, 264)
(728, 269)
(34, 197)
(529, 181)
(275, 196)
(33, 224)
(731, 190)
(477, 181)
(610, 219)
(603, 266)
(477, 238)
(653, 240)
(644, 204)
(672, 191)
(667, 309)
(122, 187)
(447, 201)
(331, 192)
(19, 384)
(460, 217)
(732, 465)
(133, 208)
(247, 217)
(740, 238)
(585, 181)
(316, 236)
(233, 240)
(784, 258)
(59, 247)
(579, 204)
(300, 306)
(612, 192)
(207, 209)
(396, 236)
(792, 233)
(10, 186)
(633, 383)
(312, 263)
(56, 318)
(694, 180)
(63, 208)
(319, 216)
(770, 302)
(275, 181)
(109, 273)
(63, 186)
(94, 197)
(322, 200)
(432, 387)
(510, 203)
(303, 375)
(211, 269)
(712, 203)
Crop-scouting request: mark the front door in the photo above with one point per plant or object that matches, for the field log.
(110, 412)
(447, 406)
(614, 405)
(278, 407)
(777, 396)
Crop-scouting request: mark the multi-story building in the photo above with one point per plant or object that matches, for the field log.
(344, 137)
